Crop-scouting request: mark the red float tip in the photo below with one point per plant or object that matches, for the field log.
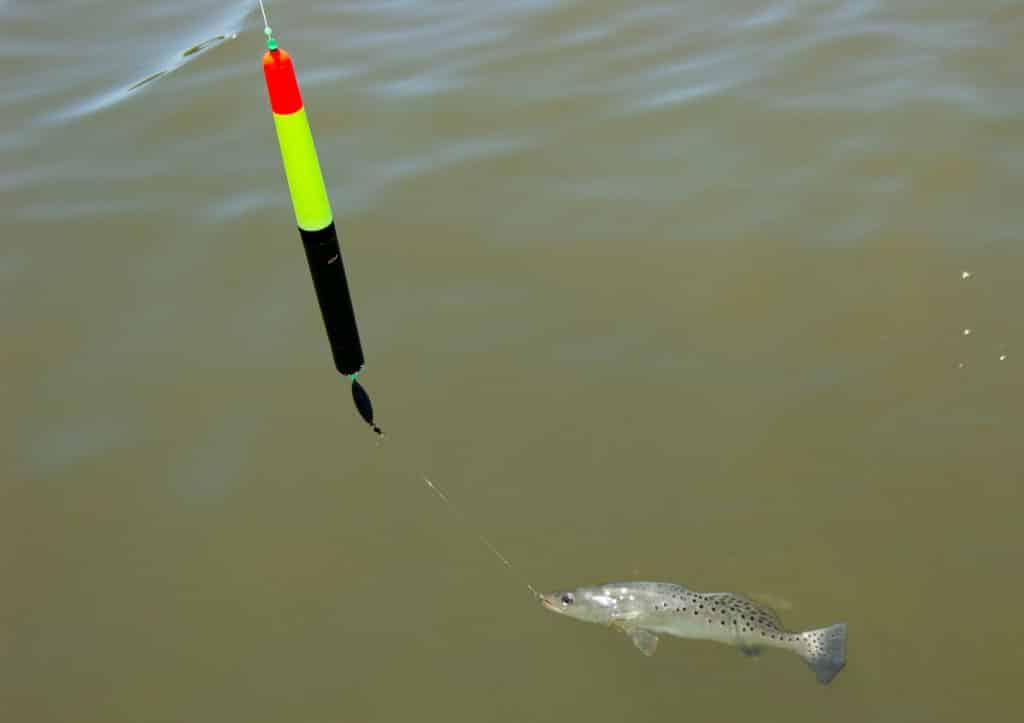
(282, 85)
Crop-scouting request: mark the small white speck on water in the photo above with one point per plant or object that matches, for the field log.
(960, 365)
(966, 332)
(965, 275)
(1002, 357)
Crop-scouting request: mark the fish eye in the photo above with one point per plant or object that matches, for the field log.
(567, 598)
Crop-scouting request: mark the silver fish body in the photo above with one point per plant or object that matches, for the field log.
(643, 610)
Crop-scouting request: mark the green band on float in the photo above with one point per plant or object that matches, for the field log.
(302, 169)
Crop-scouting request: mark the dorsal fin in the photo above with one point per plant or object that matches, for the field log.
(775, 603)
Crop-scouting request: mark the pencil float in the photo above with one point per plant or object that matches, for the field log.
(315, 220)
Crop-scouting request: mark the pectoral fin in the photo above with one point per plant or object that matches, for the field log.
(646, 641)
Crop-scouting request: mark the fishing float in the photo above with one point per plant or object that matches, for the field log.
(314, 217)
(320, 239)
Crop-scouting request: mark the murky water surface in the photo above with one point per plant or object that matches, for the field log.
(652, 289)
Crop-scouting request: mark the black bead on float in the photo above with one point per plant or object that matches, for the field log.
(364, 405)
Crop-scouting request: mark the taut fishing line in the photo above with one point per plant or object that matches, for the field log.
(469, 527)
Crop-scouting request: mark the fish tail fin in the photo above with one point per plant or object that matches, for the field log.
(824, 651)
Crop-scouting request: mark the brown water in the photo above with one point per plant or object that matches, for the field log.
(652, 289)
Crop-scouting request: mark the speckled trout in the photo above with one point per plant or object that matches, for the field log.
(642, 610)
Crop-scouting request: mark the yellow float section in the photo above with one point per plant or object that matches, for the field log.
(302, 169)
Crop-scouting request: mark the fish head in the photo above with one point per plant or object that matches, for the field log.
(589, 604)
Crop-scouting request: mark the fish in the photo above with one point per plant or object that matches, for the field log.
(643, 610)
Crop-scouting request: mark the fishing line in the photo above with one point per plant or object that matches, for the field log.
(457, 513)
(263, 10)
(472, 529)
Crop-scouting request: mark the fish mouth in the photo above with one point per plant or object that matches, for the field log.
(551, 602)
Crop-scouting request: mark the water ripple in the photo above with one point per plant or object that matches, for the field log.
(209, 34)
